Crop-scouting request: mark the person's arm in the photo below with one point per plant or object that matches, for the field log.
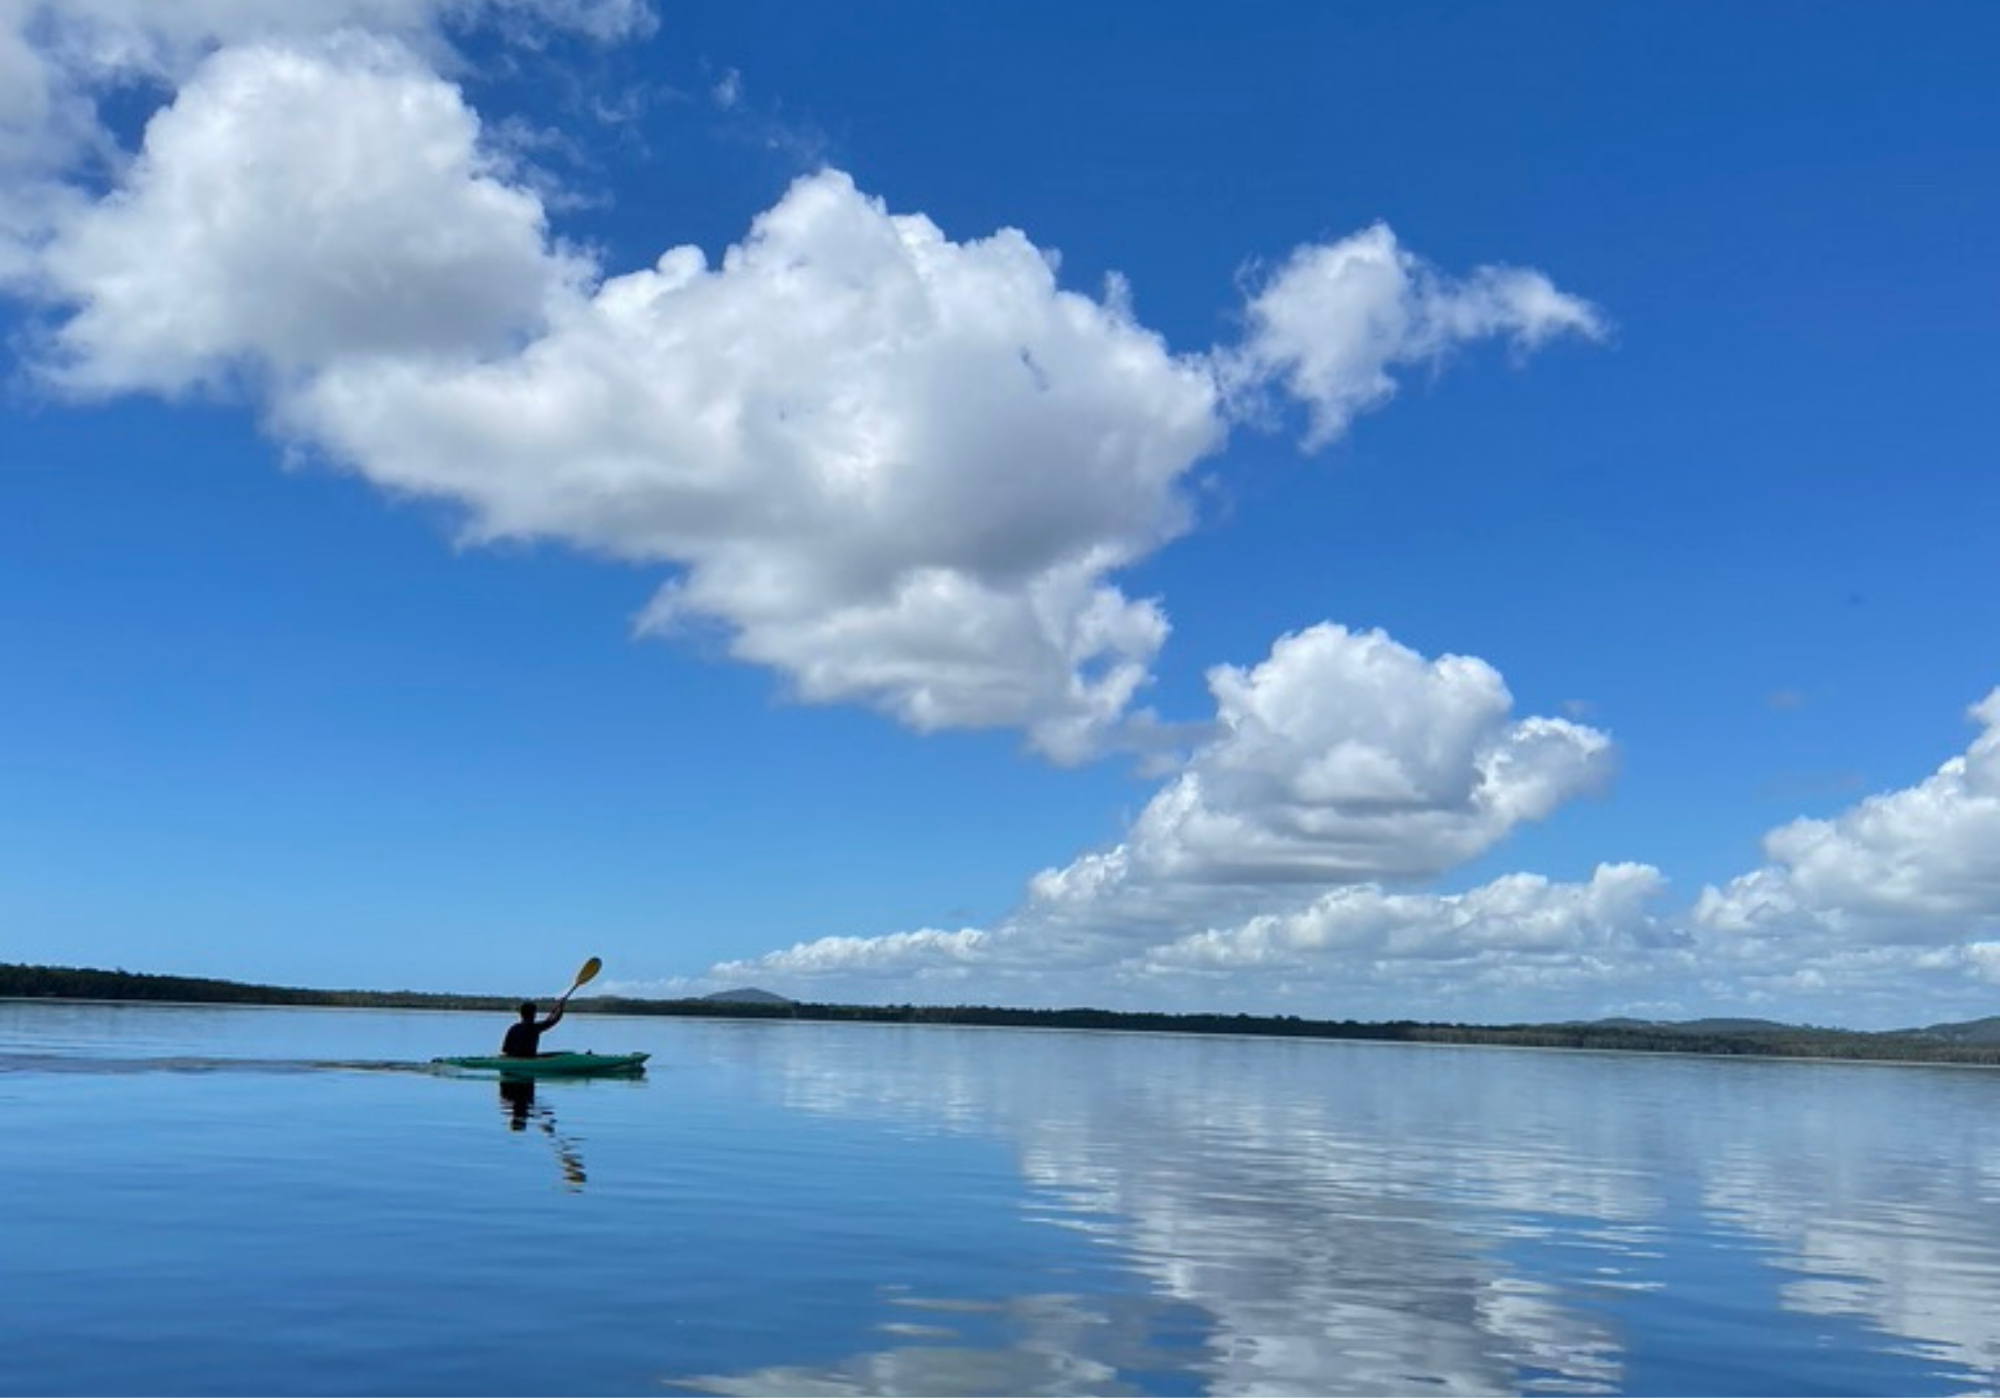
(554, 1016)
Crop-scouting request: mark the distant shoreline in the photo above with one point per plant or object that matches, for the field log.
(1960, 1045)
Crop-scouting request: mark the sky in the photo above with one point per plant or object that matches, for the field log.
(1376, 511)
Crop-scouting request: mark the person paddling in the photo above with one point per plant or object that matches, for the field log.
(523, 1040)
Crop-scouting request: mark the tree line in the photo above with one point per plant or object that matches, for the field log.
(1794, 1042)
(97, 984)
(1791, 1042)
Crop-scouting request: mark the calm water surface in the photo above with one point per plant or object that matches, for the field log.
(247, 1201)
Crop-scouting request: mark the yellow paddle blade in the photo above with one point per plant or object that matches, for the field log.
(588, 971)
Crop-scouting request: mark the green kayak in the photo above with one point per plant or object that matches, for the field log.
(555, 1062)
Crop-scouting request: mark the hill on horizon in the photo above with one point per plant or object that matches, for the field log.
(749, 996)
(1985, 1031)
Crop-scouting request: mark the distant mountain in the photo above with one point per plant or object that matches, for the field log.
(749, 996)
(1981, 1032)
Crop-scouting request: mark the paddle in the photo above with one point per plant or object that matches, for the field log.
(583, 974)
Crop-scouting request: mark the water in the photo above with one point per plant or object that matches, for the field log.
(224, 1201)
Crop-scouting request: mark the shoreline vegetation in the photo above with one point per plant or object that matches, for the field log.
(1961, 1043)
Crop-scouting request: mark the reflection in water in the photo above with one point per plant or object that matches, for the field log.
(1902, 1238)
(1054, 1344)
(517, 1100)
(1325, 1218)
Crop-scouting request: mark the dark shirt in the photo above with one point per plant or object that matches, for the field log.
(524, 1038)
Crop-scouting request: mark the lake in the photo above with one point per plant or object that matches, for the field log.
(252, 1201)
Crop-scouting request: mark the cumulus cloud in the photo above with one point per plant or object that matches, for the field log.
(1514, 917)
(1346, 755)
(1342, 763)
(294, 206)
(894, 467)
(1917, 868)
(1335, 318)
(1891, 903)
(58, 57)
(925, 954)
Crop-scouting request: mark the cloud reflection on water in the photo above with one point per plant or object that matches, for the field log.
(1354, 1219)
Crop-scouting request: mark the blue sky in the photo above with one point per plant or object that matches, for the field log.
(1381, 510)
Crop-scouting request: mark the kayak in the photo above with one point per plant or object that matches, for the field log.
(570, 1062)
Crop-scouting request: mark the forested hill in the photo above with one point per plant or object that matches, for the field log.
(1969, 1043)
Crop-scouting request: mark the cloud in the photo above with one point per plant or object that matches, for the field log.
(293, 207)
(1342, 762)
(57, 57)
(1335, 318)
(1514, 917)
(921, 953)
(1342, 758)
(727, 91)
(896, 468)
(1894, 899)
(1346, 755)
(1916, 867)
(1535, 946)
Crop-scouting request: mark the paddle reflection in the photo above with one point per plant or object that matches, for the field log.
(517, 1101)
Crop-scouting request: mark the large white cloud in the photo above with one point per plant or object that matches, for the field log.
(58, 57)
(894, 467)
(1335, 318)
(1346, 756)
(293, 207)
(1903, 886)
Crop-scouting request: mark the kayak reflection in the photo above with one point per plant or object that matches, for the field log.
(517, 1101)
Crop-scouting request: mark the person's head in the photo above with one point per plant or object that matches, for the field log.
(527, 1011)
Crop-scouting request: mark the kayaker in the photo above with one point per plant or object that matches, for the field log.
(524, 1038)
